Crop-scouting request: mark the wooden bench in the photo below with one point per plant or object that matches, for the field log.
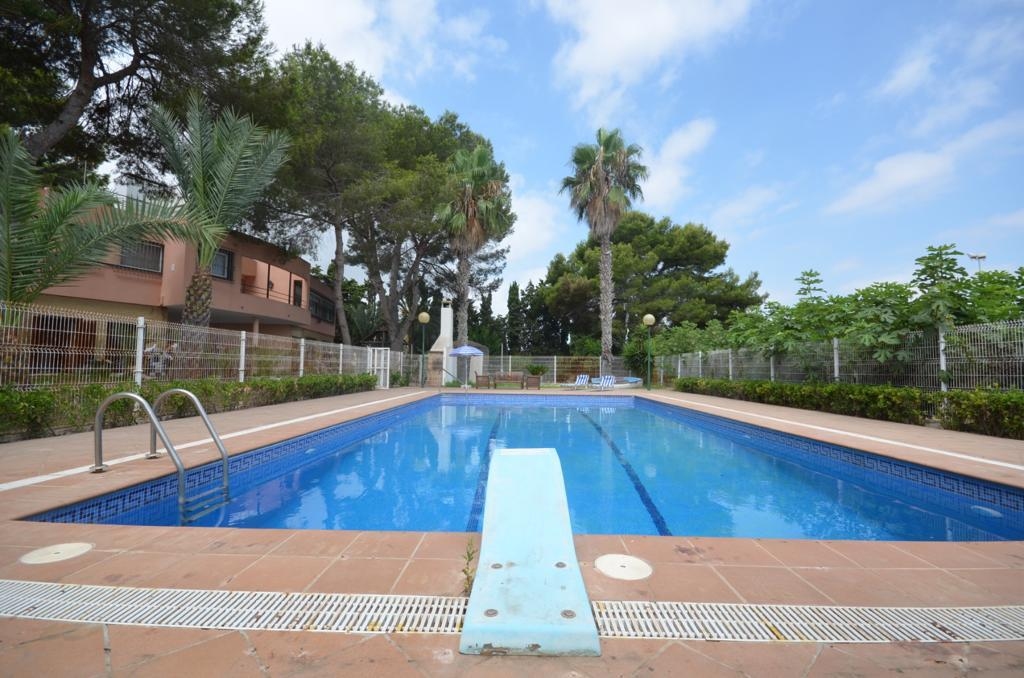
(512, 378)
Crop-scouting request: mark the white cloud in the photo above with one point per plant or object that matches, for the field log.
(956, 102)
(1012, 220)
(743, 209)
(541, 219)
(618, 45)
(911, 74)
(913, 175)
(895, 179)
(668, 168)
(397, 39)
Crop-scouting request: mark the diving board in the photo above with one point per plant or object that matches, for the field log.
(528, 596)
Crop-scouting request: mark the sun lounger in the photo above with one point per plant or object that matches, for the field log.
(605, 382)
(582, 381)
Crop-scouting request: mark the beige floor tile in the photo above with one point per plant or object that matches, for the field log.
(949, 555)
(127, 569)
(50, 571)
(449, 545)
(280, 573)
(223, 656)
(765, 660)
(293, 653)
(133, 645)
(359, 575)
(432, 577)
(603, 587)
(384, 545)
(1006, 553)
(876, 554)
(733, 551)
(684, 659)
(771, 585)
(692, 583)
(805, 553)
(242, 541)
(941, 587)
(1002, 587)
(205, 570)
(315, 543)
(590, 546)
(662, 549)
(42, 649)
(855, 586)
(882, 659)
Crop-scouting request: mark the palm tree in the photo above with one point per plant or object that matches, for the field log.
(479, 209)
(222, 167)
(50, 237)
(606, 177)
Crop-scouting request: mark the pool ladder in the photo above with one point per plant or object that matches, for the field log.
(190, 508)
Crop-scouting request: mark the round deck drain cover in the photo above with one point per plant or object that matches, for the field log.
(56, 553)
(621, 566)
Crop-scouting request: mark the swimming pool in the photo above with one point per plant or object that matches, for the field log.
(632, 466)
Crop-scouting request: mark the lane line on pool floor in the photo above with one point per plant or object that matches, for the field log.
(35, 480)
(391, 613)
(638, 485)
(826, 429)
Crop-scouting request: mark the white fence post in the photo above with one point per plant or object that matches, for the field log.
(730, 364)
(341, 358)
(302, 356)
(942, 361)
(700, 364)
(835, 358)
(771, 367)
(140, 340)
(241, 358)
(554, 370)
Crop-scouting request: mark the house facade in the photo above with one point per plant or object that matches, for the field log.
(257, 287)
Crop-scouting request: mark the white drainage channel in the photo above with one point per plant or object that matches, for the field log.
(360, 613)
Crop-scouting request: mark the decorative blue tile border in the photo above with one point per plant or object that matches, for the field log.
(901, 478)
(155, 502)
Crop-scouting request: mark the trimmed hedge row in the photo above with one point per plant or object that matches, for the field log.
(33, 414)
(994, 413)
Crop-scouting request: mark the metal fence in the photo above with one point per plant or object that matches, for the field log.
(966, 357)
(41, 347)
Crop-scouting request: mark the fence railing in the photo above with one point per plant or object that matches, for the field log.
(966, 357)
(41, 346)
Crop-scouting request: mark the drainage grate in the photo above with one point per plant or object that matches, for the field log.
(729, 621)
(243, 610)
(361, 613)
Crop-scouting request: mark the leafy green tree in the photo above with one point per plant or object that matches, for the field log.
(77, 77)
(50, 237)
(336, 120)
(515, 320)
(939, 279)
(606, 177)
(478, 209)
(222, 167)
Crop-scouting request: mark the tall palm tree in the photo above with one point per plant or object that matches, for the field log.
(606, 176)
(50, 237)
(222, 167)
(479, 209)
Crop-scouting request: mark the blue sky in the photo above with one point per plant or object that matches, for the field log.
(844, 136)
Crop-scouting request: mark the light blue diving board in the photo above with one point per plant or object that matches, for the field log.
(528, 596)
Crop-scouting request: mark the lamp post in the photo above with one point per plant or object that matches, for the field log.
(978, 258)
(424, 318)
(648, 321)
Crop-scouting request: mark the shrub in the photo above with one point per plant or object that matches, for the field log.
(536, 370)
(993, 413)
(32, 414)
(887, 403)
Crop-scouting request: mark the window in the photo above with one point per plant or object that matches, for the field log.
(320, 307)
(223, 265)
(297, 293)
(145, 256)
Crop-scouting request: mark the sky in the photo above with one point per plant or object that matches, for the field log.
(843, 136)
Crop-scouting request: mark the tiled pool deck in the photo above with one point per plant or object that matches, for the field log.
(685, 569)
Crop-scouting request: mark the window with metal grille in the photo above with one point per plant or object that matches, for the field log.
(223, 265)
(320, 307)
(145, 256)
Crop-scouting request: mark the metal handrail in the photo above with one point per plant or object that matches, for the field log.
(206, 420)
(100, 467)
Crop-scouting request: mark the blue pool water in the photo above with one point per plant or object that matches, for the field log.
(631, 467)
